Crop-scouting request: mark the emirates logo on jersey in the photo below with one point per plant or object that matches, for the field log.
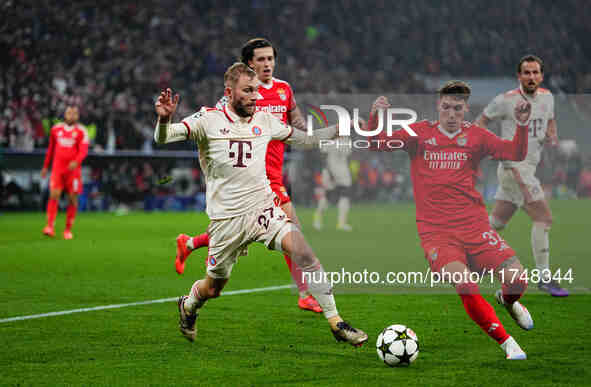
(66, 142)
(282, 94)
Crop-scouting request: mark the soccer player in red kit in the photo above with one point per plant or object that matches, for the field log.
(452, 220)
(68, 146)
(277, 98)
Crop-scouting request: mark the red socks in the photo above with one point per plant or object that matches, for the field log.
(296, 274)
(51, 212)
(201, 240)
(481, 311)
(70, 215)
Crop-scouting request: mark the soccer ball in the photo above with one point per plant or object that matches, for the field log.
(397, 345)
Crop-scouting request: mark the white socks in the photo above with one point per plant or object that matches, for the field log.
(194, 301)
(322, 205)
(540, 244)
(343, 207)
(319, 287)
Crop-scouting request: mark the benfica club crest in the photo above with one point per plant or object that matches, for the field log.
(282, 94)
(462, 139)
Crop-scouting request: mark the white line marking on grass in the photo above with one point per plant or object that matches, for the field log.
(115, 306)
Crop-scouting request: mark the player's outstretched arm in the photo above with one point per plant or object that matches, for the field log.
(514, 150)
(165, 131)
(397, 140)
(301, 138)
(482, 121)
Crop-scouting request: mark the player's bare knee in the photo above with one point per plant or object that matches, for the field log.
(213, 292)
(509, 271)
(496, 223)
(305, 258)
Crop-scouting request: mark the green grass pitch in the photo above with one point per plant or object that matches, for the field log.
(262, 338)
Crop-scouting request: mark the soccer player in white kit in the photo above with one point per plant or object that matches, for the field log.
(240, 203)
(518, 185)
(336, 175)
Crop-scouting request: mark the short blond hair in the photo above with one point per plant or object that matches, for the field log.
(235, 71)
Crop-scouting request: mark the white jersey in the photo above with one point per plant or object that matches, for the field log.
(337, 162)
(503, 107)
(232, 153)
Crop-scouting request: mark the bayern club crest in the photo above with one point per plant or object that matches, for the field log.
(433, 253)
(212, 260)
(256, 131)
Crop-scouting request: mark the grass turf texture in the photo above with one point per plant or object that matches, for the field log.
(262, 338)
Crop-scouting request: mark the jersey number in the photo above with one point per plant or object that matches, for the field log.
(263, 220)
(242, 153)
(535, 126)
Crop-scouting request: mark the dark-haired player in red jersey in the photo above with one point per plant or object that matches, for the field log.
(276, 97)
(68, 147)
(452, 220)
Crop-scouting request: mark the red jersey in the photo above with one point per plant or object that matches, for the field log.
(444, 169)
(277, 99)
(66, 143)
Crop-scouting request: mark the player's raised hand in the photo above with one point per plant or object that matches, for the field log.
(166, 104)
(381, 103)
(522, 112)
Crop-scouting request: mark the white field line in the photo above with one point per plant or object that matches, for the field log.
(116, 306)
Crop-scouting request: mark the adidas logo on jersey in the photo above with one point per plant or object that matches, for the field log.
(431, 141)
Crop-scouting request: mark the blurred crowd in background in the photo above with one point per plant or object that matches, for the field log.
(112, 59)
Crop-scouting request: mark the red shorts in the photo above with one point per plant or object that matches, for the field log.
(274, 169)
(69, 181)
(281, 192)
(479, 249)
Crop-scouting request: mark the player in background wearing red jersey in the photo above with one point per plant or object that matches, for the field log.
(518, 185)
(452, 220)
(276, 97)
(68, 146)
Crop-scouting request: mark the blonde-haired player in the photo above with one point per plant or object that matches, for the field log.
(240, 203)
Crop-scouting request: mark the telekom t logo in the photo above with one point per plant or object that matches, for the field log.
(242, 152)
(344, 121)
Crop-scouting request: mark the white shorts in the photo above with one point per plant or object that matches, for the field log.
(336, 177)
(509, 189)
(228, 238)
